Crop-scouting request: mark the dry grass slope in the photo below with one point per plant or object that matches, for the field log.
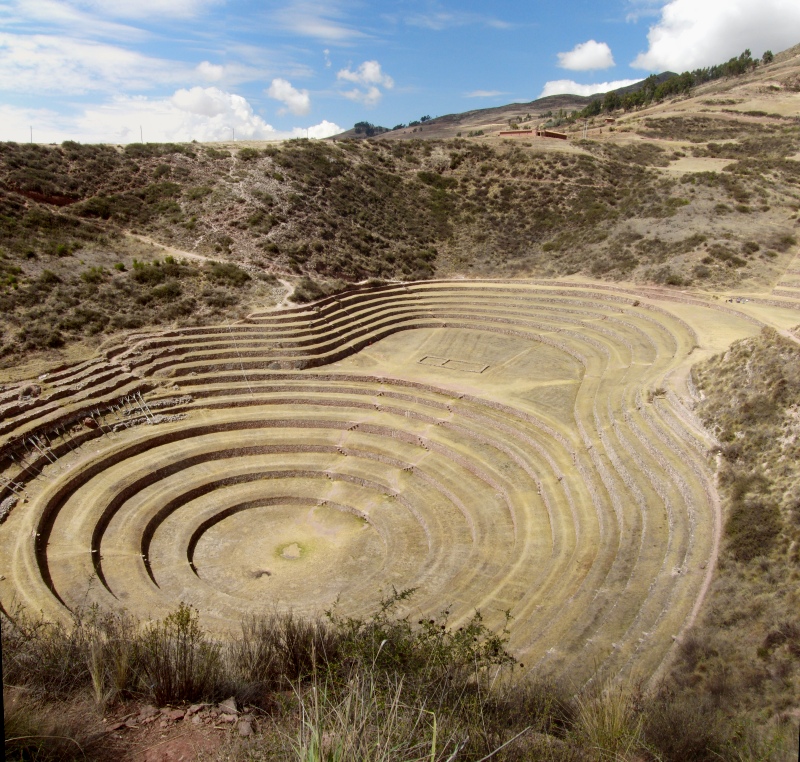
(744, 654)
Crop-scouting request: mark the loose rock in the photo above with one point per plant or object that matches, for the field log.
(228, 706)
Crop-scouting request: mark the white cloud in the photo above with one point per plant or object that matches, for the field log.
(570, 87)
(203, 114)
(440, 20)
(234, 72)
(15, 124)
(203, 101)
(38, 15)
(210, 72)
(66, 65)
(144, 9)
(195, 114)
(484, 94)
(54, 64)
(324, 129)
(368, 73)
(639, 9)
(313, 19)
(587, 55)
(369, 97)
(693, 33)
(296, 101)
(370, 78)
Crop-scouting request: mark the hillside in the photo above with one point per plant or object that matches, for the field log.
(699, 192)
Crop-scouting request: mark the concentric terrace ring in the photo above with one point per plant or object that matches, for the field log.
(491, 444)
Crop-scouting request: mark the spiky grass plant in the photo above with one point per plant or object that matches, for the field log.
(609, 722)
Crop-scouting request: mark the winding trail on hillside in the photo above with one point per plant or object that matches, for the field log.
(168, 250)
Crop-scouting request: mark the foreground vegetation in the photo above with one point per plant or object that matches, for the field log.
(381, 688)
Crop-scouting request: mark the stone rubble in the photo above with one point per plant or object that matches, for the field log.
(222, 716)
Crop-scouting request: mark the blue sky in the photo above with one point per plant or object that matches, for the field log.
(110, 70)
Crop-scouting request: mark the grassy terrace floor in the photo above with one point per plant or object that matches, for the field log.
(507, 446)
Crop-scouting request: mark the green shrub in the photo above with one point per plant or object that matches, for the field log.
(784, 242)
(36, 336)
(198, 192)
(147, 273)
(227, 273)
(49, 278)
(98, 206)
(170, 290)
(180, 661)
(218, 298)
(307, 290)
(84, 319)
(437, 181)
(248, 154)
(754, 521)
(159, 191)
(94, 275)
(684, 729)
(54, 732)
(724, 254)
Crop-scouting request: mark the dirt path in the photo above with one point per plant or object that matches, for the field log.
(170, 250)
(285, 301)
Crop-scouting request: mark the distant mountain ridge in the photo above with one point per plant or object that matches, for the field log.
(536, 108)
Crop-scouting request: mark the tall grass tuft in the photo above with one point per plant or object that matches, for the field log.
(609, 722)
(276, 652)
(366, 722)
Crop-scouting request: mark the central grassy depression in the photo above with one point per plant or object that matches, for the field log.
(289, 552)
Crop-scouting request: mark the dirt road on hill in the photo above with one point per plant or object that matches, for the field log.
(169, 250)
